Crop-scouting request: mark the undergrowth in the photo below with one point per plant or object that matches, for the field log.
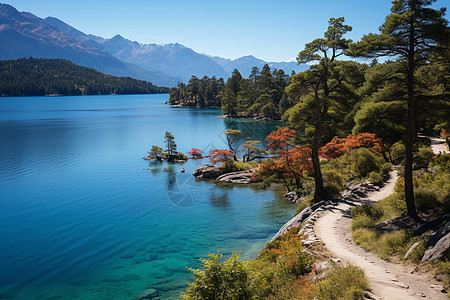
(283, 270)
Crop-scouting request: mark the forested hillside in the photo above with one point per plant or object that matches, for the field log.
(39, 77)
(261, 94)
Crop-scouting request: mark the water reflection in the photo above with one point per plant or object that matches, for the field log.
(251, 130)
(220, 197)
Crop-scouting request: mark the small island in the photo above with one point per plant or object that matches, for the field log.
(170, 152)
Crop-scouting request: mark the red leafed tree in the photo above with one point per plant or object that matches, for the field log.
(279, 140)
(334, 149)
(293, 161)
(338, 147)
(365, 140)
(222, 156)
(195, 152)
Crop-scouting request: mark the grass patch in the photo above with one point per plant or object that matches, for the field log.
(343, 282)
(443, 272)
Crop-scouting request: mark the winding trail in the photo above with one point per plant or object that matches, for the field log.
(387, 281)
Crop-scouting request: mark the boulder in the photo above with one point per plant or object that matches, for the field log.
(207, 171)
(242, 177)
(439, 242)
(437, 251)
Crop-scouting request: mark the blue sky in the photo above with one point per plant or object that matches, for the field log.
(274, 30)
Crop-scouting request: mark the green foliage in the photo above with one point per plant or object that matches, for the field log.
(202, 92)
(375, 177)
(343, 282)
(181, 156)
(229, 279)
(241, 166)
(358, 165)
(412, 33)
(40, 77)
(155, 153)
(304, 204)
(423, 158)
(443, 269)
(374, 212)
(261, 94)
(171, 146)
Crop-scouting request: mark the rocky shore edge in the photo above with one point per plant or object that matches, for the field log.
(209, 171)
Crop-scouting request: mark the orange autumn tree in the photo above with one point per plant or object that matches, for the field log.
(338, 147)
(292, 161)
(222, 156)
(195, 153)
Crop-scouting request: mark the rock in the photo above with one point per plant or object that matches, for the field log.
(294, 197)
(207, 171)
(411, 249)
(441, 232)
(242, 177)
(147, 294)
(298, 219)
(438, 250)
(371, 296)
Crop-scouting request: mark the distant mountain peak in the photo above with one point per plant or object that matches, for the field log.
(118, 37)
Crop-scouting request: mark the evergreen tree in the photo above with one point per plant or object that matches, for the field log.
(411, 33)
(171, 146)
(324, 78)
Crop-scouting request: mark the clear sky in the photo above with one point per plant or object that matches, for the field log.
(273, 30)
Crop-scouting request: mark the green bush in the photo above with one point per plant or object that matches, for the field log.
(230, 279)
(423, 157)
(397, 153)
(375, 177)
(241, 166)
(426, 198)
(334, 178)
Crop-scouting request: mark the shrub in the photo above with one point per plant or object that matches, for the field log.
(375, 177)
(181, 156)
(230, 279)
(332, 190)
(363, 162)
(334, 178)
(423, 157)
(241, 166)
(397, 153)
(426, 198)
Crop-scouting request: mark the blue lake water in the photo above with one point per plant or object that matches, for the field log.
(82, 216)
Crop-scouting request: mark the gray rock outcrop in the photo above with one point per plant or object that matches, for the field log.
(242, 177)
(207, 171)
(439, 243)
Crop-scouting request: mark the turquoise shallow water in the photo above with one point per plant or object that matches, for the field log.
(82, 216)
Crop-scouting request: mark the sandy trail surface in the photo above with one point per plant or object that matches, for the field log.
(387, 280)
(438, 145)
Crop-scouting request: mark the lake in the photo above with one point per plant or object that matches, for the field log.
(83, 216)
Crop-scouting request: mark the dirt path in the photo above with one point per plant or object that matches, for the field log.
(387, 281)
(438, 145)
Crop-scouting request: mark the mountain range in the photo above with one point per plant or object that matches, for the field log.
(23, 34)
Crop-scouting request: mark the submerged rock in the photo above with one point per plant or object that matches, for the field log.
(148, 294)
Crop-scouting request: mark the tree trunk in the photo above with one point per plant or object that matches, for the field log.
(319, 191)
(410, 128)
(409, 142)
